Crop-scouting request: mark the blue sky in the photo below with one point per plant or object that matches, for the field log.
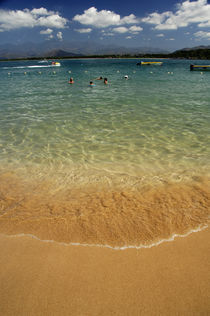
(167, 24)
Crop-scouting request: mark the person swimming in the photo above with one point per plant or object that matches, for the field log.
(92, 84)
(71, 80)
(99, 78)
(105, 81)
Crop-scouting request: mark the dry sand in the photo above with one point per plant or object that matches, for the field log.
(40, 278)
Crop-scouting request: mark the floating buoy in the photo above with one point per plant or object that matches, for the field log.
(25, 73)
(69, 71)
(9, 73)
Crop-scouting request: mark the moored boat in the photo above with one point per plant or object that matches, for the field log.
(55, 63)
(148, 63)
(199, 67)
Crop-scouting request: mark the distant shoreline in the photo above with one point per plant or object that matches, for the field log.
(76, 58)
(200, 54)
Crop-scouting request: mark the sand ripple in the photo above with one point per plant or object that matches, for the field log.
(102, 215)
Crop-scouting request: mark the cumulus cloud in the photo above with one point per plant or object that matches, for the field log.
(41, 11)
(103, 18)
(60, 36)
(107, 33)
(122, 29)
(157, 18)
(135, 29)
(88, 30)
(46, 32)
(202, 35)
(187, 12)
(14, 19)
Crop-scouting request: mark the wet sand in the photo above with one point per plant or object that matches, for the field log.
(99, 214)
(40, 278)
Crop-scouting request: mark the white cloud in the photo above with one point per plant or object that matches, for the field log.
(130, 19)
(132, 29)
(103, 18)
(202, 35)
(88, 30)
(107, 33)
(135, 29)
(14, 19)
(187, 12)
(54, 21)
(60, 36)
(46, 32)
(120, 29)
(41, 11)
(156, 18)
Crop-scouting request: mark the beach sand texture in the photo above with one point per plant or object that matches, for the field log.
(43, 273)
(40, 278)
(97, 214)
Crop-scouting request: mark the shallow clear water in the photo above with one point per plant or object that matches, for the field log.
(155, 125)
(158, 117)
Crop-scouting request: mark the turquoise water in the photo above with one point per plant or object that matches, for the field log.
(120, 164)
(157, 121)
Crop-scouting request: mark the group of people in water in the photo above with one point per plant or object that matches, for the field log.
(71, 81)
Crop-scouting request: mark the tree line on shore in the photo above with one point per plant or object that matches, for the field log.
(180, 54)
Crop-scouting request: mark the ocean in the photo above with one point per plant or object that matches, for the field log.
(124, 164)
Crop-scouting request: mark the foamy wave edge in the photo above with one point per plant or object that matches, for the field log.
(199, 229)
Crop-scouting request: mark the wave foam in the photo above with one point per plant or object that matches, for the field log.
(142, 246)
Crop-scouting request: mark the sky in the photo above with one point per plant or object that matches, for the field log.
(165, 24)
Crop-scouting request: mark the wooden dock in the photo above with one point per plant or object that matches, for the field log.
(199, 67)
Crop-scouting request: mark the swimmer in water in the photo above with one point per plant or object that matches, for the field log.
(99, 78)
(71, 80)
(92, 84)
(105, 81)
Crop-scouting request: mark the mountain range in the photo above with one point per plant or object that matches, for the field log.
(69, 49)
(60, 49)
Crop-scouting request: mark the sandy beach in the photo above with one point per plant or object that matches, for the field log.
(104, 190)
(48, 278)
